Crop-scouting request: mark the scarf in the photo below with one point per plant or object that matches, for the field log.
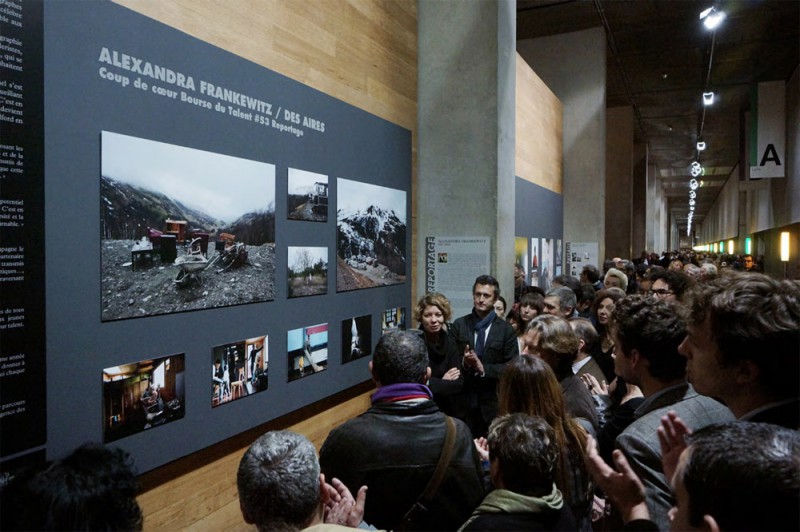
(402, 391)
(480, 329)
(503, 501)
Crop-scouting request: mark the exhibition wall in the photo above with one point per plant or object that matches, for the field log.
(539, 204)
(96, 120)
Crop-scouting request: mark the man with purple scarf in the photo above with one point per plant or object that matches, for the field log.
(394, 447)
(489, 343)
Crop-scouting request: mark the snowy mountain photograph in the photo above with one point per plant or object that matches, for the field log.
(370, 236)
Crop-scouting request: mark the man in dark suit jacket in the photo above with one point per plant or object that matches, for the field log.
(647, 333)
(588, 338)
(742, 345)
(489, 343)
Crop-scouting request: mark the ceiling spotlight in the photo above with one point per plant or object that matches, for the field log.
(693, 184)
(701, 146)
(712, 17)
(691, 202)
(708, 98)
(696, 170)
(692, 194)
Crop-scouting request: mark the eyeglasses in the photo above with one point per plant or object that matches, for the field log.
(661, 292)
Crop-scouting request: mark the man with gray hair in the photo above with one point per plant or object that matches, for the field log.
(561, 302)
(396, 445)
(281, 488)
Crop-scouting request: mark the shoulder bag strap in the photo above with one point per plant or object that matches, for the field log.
(444, 461)
(438, 475)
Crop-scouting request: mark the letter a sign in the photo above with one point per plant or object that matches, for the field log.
(768, 130)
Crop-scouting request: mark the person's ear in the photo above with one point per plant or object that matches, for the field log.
(427, 374)
(324, 495)
(581, 344)
(372, 374)
(635, 358)
(710, 524)
(747, 373)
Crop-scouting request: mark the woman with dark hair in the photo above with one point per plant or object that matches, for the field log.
(552, 339)
(500, 306)
(433, 314)
(602, 308)
(528, 385)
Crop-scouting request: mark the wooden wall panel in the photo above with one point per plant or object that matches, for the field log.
(363, 52)
(347, 49)
(539, 131)
(201, 493)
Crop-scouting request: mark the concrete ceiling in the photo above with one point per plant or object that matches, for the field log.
(658, 62)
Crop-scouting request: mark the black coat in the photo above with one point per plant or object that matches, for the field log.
(393, 448)
(448, 394)
(501, 348)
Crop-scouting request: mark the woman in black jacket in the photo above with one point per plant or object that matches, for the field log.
(433, 314)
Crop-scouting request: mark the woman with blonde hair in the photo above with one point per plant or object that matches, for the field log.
(444, 357)
(529, 385)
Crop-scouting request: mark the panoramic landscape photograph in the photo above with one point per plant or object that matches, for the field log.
(182, 229)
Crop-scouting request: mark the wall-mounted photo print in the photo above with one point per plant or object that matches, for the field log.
(307, 271)
(142, 395)
(370, 235)
(308, 351)
(178, 225)
(393, 319)
(239, 369)
(356, 338)
(547, 263)
(521, 255)
(307, 196)
(535, 262)
(559, 255)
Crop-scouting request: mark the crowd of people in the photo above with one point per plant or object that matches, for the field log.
(650, 395)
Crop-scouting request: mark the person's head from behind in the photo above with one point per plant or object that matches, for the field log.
(552, 339)
(743, 336)
(279, 482)
(523, 454)
(560, 301)
(590, 274)
(94, 488)
(647, 333)
(531, 305)
(587, 335)
(586, 297)
(528, 385)
(570, 281)
(400, 357)
(738, 476)
(616, 278)
(708, 271)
